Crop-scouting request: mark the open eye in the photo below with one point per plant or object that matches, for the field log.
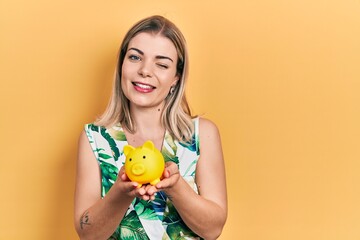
(130, 159)
(144, 157)
(134, 57)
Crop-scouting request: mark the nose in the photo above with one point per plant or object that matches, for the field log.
(138, 169)
(145, 70)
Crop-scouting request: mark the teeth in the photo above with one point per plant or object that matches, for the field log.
(143, 86)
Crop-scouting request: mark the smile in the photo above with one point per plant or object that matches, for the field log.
(141, 87)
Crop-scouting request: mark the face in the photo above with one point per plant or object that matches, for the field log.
(149, 70)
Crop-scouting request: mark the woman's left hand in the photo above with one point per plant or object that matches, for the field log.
(170, 177)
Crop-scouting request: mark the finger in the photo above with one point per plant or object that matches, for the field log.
(151, 190)
(122, 170)
(165, 183)
(124, 177)
(166, 173)
(145, 197)
(168, 182)
(171, 167)
(147, 187)
(141, 191)
(152, 197)
(129, 188)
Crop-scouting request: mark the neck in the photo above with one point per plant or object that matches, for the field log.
(147, 125)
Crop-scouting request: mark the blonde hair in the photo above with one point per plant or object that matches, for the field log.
(176, 116)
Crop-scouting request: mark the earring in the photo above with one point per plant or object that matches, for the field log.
(172, 89)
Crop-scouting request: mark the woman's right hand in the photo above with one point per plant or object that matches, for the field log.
(131, 189)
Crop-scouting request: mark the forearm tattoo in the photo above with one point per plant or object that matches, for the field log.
(84, 220)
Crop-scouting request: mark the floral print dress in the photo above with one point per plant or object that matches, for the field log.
(154, 220)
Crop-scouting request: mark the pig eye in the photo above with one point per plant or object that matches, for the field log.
(144, 157)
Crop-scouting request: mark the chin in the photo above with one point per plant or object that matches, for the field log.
(144, 104)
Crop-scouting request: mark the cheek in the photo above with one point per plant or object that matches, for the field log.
(168, 78)
(125, 84)
(124, 71)
(128, 70)
(126, 76)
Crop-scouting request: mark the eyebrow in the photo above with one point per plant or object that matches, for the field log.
(157, 57)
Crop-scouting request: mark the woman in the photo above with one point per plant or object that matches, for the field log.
(148, 103)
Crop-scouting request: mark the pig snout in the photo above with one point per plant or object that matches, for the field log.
(138, 169)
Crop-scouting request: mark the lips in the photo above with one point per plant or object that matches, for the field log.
(142, 87)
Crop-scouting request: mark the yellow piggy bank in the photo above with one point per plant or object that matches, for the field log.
(144, 164)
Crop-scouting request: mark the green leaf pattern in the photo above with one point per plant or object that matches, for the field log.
(143, 217)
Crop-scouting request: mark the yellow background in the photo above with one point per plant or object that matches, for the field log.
(280, 78)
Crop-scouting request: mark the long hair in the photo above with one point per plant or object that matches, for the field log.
(176, 116)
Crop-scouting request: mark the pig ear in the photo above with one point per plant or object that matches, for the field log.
(149, 145)
(128, 149)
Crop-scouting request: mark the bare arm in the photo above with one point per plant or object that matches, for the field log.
(97, 218)
(206, 213)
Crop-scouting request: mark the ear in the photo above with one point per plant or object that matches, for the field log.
(149, 145)
(128, 149)
(176, 80)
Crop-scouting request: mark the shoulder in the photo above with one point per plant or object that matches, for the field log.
(207, 127)
(89, 141)
(208, 133)
(94, 131)
(84, 144)
(92, 127)
(86, 134)
(89, 133)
